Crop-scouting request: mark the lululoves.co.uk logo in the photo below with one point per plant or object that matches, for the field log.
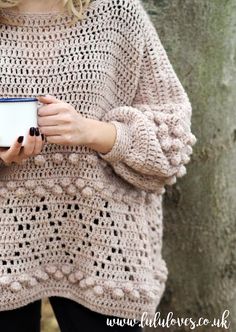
(169, 321)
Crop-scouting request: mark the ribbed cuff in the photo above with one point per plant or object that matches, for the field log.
(121, 145)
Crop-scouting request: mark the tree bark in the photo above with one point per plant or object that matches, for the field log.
(199, 240)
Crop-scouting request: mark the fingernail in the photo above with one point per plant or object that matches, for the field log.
(37, 131)
(42, 136)
(20, 139)
(32, 131)
(41, 95)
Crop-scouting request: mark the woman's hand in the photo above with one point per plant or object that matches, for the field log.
(60, 122)
(16, 153)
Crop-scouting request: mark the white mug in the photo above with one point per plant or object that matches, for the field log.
(17, 115)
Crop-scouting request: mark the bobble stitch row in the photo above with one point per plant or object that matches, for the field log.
(92, 160)
(163, 130)
(161, 275)
(27, 280)
(71, 189)
(57, 189)
(169, 123)
(73, 158)
(58, 275)
(182, 171)
(39, 191)
(50, 269)
(48, 183)
(57, 158)
(80, 183)
(65, 185)
(11, 185)
(71, 278)
(171, 180)
(40, 275)
(118, 293)
(66, 269)
(134, 294)
(5, 281)
(15, 286)
(20, 192)
(82, 284)
(78, 275)
(86, 191)
(160, 118)
(176, 160)
(117, 194)
(99, 186)
(98, 290)
(24, 279)
(191, 139)
(149, 294)
(3, 192)
(39, 160)
(178, 131)
(30, 184)
(32, 282)
(74, 277)
(65, 182)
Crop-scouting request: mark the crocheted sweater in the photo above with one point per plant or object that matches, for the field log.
(78, 223)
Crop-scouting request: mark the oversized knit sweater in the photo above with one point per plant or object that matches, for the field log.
(75, 222)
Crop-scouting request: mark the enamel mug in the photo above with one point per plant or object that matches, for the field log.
(17, 115)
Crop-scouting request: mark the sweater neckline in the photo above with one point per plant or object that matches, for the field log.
(40, 19)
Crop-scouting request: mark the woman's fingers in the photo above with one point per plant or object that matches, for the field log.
(30, 143)
(9, 154)
(16, 153)
(38, 142)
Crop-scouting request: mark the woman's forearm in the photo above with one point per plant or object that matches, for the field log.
(99, 136)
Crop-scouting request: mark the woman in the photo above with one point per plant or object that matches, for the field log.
(81, 207)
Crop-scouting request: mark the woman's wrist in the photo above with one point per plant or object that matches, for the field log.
(99, 136)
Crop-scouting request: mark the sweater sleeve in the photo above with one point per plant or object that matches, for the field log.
(153, 135)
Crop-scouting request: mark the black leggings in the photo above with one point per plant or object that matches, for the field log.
(70, 315)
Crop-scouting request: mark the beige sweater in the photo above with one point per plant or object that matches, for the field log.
(74, 222)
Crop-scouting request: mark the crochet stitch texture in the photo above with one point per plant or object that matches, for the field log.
(74, 222)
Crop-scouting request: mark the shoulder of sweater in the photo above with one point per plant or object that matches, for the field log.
(123, 15)
(134, 12)
(129, 10)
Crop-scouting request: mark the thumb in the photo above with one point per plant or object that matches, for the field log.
(48, 99)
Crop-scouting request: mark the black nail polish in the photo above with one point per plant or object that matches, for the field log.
(32, 131)
(20, 139)
(37, 131)
(42, 136)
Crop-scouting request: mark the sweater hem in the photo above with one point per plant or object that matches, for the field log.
(48, 292)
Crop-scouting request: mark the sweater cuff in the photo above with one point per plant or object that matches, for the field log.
(121, 145)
